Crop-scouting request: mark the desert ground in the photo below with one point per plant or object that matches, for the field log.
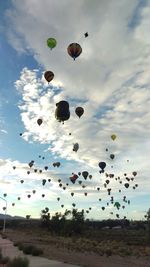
(79, 251)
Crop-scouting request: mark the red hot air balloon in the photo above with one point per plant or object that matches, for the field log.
(48, 75)
(74, 50)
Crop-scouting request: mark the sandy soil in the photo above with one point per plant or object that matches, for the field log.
(84, 259)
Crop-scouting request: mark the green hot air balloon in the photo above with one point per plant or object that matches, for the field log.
(117, 205)
(51, 43)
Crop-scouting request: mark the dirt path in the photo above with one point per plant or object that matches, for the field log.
(9, 250)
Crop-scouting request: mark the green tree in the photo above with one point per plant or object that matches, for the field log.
(45, 217)
(148, 226)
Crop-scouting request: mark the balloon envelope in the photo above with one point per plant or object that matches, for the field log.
(113, 137)
(62, 112)
(51, 43)
(79, 111)
(74, 50)
(48, 75)
(39, 122)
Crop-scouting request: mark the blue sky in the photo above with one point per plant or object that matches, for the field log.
(110, 79)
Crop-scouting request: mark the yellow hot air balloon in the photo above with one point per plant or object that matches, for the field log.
(113, 137)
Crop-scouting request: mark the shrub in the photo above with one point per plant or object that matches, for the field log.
(20, 246)
(37, 251)
(1, 254)
(4, 236)
(5, 260)
(28, 249)
(19, 262)
(108, 252)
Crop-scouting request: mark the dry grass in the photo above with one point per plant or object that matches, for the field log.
(82, 251)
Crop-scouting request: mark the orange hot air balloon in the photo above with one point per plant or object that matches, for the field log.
(74, 50)
(49, 76)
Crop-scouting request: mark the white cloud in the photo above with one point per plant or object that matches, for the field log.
(110, 80)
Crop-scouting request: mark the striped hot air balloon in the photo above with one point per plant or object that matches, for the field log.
(74, 50)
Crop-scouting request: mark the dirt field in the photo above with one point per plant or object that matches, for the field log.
(55, 249)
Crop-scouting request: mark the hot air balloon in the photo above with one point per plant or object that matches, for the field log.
(19, 198)
(85, 174)
(85, 193)
(22, 181)
(58, 164)
(73, 178)
(117, 205)
(112, 156)
(134, 173)
(113, 137)
(31, 163)
(49, 180)
(103, 208)
(126, 185)
(43, 181)
(5, 195)
(86, 34)
(62, 112)
(34, 191)
(58, 198)
(46, 168)
(39, 122)
(49, 76)
(102, 165)
(75, 147)
(51, 43)
(43, 195)
(14, 167)
(79, 111)
(74, 50)
(72, 194)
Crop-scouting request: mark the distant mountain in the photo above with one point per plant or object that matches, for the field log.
(9, 217)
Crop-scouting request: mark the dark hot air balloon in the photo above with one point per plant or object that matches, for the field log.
(79, 111)
(62, 112)
(39, 122)
(74, 50)
(48, 75)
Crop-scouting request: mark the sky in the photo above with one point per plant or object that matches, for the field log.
(110, 80)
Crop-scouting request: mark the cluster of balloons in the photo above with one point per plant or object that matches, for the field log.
(62, 113)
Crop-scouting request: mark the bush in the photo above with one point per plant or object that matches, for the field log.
(4, 236)
(20, 246)
(1, 254)
(37, 251)
(19, 262)
(28, 249)
(5, 260)
(108, 252)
